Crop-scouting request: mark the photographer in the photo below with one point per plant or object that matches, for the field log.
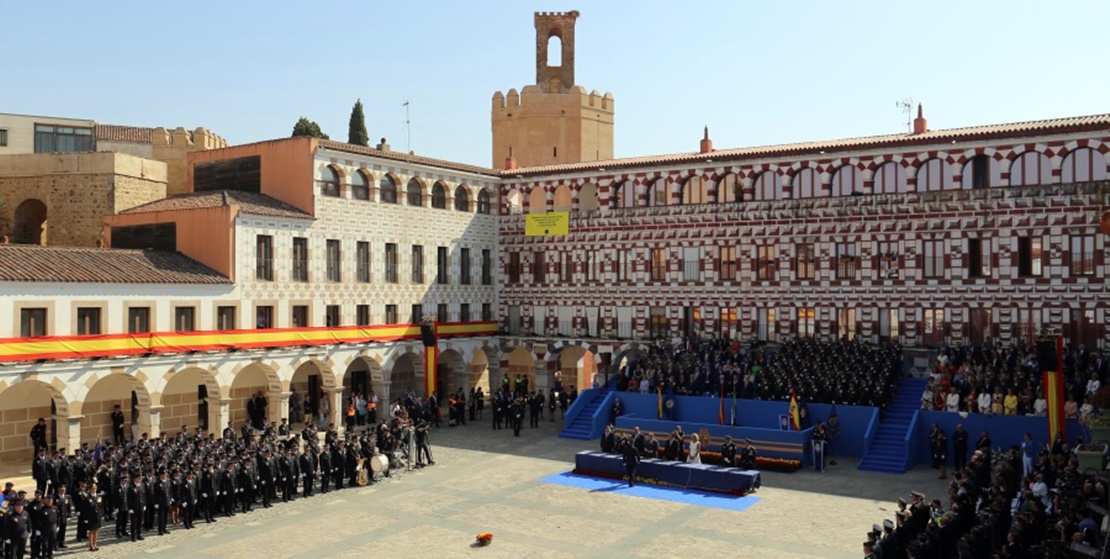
(423, 451)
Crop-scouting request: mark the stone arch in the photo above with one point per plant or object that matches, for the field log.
(1030, 168)
(806, 183)
(365, 376)
(658, 192)
(933, 175)
(248, 380)
(483, 201)
(728, 189)
(324, 387)
(846, 181)
(890, 178)
(451, 374)
(414, 192)
(331, 181)
(766, 186)
(587, 198)
(626, 352)
(537, 200)
(439, 195)
(1083, 165)
(106, 389)
(387, 189)
(360, 184)
(521, 362)
(405, 375)
(623, 194)
(22, 402)
(183, 400)
(695, 191)
(29, 225)
(462, 199)
(480, 368)
(576, 360)
(563, 199)
(514, 201)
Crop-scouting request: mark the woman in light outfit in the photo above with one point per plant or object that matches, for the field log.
(694, 454)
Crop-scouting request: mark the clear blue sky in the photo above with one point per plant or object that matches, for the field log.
(756, 72)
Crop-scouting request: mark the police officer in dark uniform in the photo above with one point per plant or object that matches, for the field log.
(187, 496)
(325, 469)
(517, 417)
(64, 503)
(121, 507)
(136, 505)
(209, 489)
(45, 523)
(163, 500)
(308, 471)
(16, 530)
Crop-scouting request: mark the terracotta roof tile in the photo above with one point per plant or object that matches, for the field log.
(117, 133)
(1095, 122)
(248, 202)
(34, 263)
(399, 156)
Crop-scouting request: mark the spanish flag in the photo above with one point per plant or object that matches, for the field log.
(659, 389)
(1054, 393)
(795, 414)
(721, 410)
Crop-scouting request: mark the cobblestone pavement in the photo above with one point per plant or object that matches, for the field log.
(486, 480)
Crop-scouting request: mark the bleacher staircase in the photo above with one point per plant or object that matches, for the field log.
(579, 423)
(888, 451)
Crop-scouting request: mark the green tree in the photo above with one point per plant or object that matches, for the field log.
(305, 127)
(356, 133)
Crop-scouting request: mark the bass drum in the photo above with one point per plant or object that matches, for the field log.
(379, 464)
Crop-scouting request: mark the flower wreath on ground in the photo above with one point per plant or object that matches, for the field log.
(484, 538)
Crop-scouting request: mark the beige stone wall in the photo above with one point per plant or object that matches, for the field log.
(179, 409)
(552, 128)
(172, 147)
(15, 439)
(78, 191)
(98, 419)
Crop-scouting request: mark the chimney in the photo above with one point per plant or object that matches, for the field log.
(706, 143)
(919, 122)
(510, 161)
(383, 146)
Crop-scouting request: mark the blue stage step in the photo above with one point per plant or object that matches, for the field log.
(581, 426)
(887, 453)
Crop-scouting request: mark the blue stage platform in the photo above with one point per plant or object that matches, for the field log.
(704, 477)
(672, 494)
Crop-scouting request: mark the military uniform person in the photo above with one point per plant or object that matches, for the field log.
(308, 471)
(64, 503)
(121, 507)
(163, 500)
(728, 452)
(748, 456)
(325, 470)
(16, 530)
(136, 506)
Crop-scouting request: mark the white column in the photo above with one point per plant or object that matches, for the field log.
(69, 432)
(277, 407)
(222, 410)
(337, 410)
(155, 417)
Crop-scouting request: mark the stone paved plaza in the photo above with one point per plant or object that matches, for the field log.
(487, 480)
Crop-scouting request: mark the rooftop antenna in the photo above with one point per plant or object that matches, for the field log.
(408, 128)
(906, 104)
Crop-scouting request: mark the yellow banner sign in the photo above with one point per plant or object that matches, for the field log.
(551, 224)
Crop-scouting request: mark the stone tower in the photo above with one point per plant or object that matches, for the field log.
(553, 121)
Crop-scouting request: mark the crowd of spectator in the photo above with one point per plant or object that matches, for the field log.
(840, 372)
(1007, 381)
(1030, 501)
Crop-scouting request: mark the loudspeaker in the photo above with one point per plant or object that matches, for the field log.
(1046, 355)
(428, 334)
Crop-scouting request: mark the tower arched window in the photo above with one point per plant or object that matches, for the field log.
(483, 202)
(766, 186)
(1083, 165)
(413, 193)
(439, 196)
(360, 186)
(387, 190)
(329, 182)
(462, 199)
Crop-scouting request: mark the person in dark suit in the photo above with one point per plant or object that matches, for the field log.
(16, 529)
(117, 424)
(38, 435)
(728, 452)
(959, 448)
(631, 461)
